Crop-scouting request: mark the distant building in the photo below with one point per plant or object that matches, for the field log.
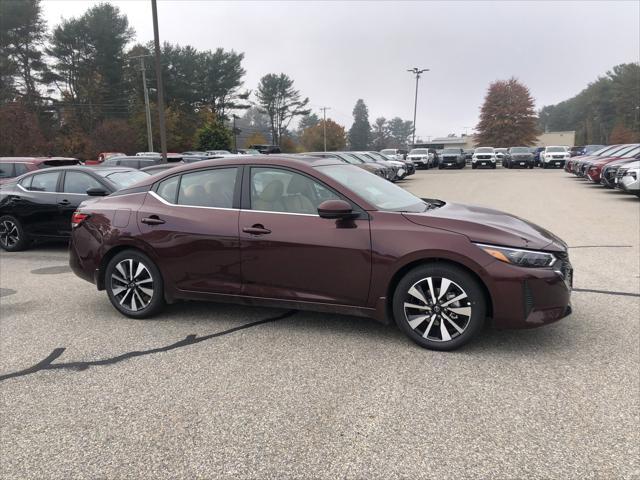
(567, 138)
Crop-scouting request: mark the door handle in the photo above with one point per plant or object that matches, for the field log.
(152, 220)
(256, 230)
(64, 203)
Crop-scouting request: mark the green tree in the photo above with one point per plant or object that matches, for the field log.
(22, 37)
(379, 134)
(313, 137)
(399, 132)
(307, 121)
(88, 56)
(507, 116)
(360, 131)
(281, 102)
(214, 136)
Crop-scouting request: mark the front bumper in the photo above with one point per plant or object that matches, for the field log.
(484, 163)
(555, 163)
(529, 297)
(629, 184)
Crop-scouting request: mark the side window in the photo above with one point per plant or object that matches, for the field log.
(168, 189)
(78, 182)
(26, 182)
(20, 169)
(208, 188)
(276, 190)
(44, 182)
(6, 170)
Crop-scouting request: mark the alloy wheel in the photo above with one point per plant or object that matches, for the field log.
(132, 284)
(9, 234)
(437, 308)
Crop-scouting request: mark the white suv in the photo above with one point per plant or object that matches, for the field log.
(554, 157)
(483, 157)
(629, 178)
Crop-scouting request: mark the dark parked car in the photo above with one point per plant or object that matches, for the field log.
(12, 167)
(452, 157)
(374, 168)
(39, 205)
(468, 155)
(318, 234)
(266, 149)
(132, 162)
(518, 157)
(584, 150)
(153, 169)
(536, 155)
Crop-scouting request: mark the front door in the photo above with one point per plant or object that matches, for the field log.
(289, 252)
(74, 192)
(191, 222)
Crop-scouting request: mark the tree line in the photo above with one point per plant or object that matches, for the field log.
(77, 89)
(607, 111)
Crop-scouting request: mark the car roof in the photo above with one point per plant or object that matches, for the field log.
(300, 162)
(36, 160)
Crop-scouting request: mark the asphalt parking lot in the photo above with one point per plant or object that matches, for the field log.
(88, 393)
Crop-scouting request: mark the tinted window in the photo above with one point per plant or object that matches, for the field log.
(44, 182)
(168, 188)
(78, 182)
(6, 170)
(21, 168)
(208, 188)
(276, 190)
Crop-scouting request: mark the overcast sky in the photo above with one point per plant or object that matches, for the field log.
(337, 52)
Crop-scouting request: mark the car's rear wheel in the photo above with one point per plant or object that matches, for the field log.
(134, 284)
(12, 236)
(439, 306)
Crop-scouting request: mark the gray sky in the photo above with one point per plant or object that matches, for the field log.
(337, 52)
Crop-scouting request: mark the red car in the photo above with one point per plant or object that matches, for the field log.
(319, 234)
(12, 167)
(103, 156)
(594, 171)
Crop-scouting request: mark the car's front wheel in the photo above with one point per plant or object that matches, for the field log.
(439, 306)
(12, 236)
(134, 284)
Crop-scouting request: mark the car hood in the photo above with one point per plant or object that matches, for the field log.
(485, 225)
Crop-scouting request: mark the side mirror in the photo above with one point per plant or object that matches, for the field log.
(97, 192)
(335, 209)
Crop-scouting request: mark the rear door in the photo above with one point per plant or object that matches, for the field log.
(191, 221)
(35, 203)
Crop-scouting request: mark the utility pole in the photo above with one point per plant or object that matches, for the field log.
(146, 102)
(417, 72)
(235, 134)
(324, 125)
(156, 40)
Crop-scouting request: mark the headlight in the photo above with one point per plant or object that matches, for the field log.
(493, 159)
(522, 258)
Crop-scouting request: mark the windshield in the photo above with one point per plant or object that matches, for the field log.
(519, 149)
(484, 150)
(381, 193)
(556, 149)
(124, 179)
(630, 151)
(592, 148)
(451, 150)
(388, 151)
(501, 150)
(419, 151)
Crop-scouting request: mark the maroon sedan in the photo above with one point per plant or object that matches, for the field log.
(321, 235)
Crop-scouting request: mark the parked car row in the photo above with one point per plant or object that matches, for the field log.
(375, 162)
(614, 166)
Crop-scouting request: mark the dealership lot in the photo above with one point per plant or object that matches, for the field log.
(311, 395)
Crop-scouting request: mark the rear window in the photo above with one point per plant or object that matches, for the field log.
(6, 170)
(21, 168)
(44, 182)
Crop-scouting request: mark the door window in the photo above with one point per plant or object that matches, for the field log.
(168, 189)
(78, 182)
(277, 190)
(208, 188)
(44, 182)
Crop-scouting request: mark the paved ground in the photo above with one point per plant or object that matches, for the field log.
(324, 396)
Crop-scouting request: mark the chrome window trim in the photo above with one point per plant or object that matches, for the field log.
(162, 200)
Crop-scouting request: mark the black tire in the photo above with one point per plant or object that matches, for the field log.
(531, 166)
(155, 300)
(493, 166)
(460, 280)
(473, 167)
(440, 167)
(12, 235)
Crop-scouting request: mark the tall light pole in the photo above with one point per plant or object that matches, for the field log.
(146, 102)
(156, 41)
(324, 125)
(417, 72)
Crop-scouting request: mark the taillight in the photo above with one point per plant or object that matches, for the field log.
(77, 218)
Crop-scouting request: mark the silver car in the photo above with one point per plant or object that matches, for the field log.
(629, 177)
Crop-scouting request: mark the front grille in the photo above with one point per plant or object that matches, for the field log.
(558, 156)
(483, 157)
(621, 172)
